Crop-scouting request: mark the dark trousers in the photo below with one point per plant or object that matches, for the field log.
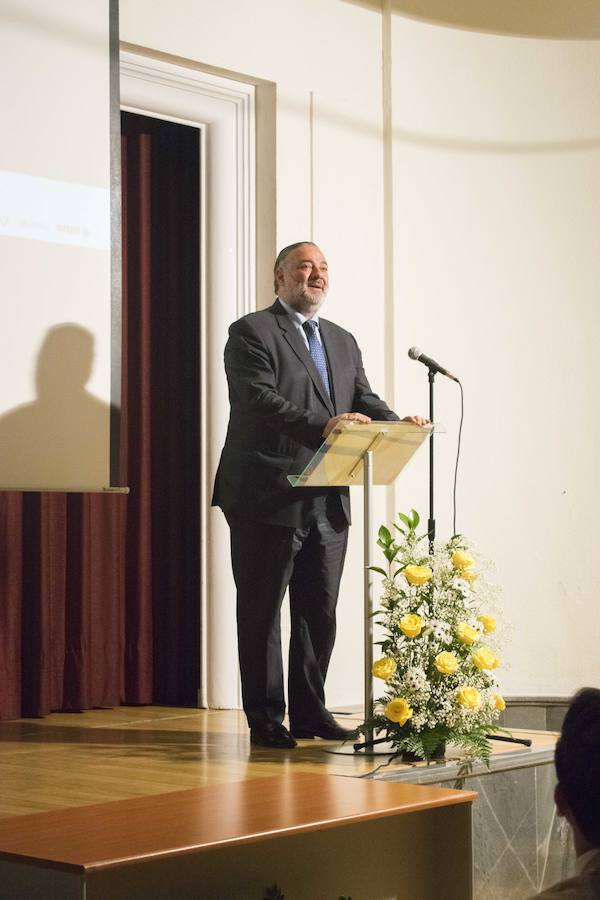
(267, 559)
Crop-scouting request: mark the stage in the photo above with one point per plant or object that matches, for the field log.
(155, 794)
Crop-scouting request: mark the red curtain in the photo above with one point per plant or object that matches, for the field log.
(136, 386)
(61, 584)
(10, 604)
(99, 594)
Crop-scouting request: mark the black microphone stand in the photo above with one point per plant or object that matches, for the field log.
(431, 521)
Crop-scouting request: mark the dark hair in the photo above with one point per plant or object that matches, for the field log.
(286, 252)
(577, 761)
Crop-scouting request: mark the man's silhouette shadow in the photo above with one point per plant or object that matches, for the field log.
(61, 439)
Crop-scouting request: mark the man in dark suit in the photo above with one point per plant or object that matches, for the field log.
(292, 377)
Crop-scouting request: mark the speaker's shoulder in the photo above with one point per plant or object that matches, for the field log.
(259, 322)
(332, 330)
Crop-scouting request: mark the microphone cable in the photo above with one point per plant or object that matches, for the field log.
(462, 413)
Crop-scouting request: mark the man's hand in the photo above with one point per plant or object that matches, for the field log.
(416, 420)
(349, 417)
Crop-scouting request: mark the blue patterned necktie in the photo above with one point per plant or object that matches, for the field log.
(317, 352)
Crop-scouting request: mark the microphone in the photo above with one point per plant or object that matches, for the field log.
(431, 364)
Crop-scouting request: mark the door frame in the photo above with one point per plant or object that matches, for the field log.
(223, 109)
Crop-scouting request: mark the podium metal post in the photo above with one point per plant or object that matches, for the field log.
(376, 453)
(368, 580)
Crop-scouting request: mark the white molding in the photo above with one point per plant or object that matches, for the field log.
(207, 101)
(224, 112)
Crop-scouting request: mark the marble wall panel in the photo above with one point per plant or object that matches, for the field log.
(520, 846)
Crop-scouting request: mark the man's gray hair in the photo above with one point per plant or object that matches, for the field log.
(286, 252)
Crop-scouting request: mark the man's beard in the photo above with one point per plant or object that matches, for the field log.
(305, 301)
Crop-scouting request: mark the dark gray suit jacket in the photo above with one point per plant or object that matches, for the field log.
(279, 408)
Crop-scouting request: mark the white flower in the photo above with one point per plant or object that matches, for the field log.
(441, 631)
(463, 587)
(415, 678)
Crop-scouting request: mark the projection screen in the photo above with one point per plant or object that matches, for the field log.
(55, 245)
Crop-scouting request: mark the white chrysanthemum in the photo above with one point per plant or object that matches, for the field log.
(441, 631)
(462, 587)
(415, 678)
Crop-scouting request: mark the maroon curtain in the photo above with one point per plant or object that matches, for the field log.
(61, 592)
(136, 386)
(99, 594)
(161, 298)
(10, 605)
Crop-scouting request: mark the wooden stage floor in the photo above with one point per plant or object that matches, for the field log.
(76, 759)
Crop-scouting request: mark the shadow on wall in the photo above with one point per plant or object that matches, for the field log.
(60, 439)
(559, 20)
(447, 143)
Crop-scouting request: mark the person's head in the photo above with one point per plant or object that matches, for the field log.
(65, 360)
(577, 761)
(301, 277)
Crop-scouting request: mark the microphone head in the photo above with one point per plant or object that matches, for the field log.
(414, 353)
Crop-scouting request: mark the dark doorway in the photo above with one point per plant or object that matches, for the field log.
(161, 404)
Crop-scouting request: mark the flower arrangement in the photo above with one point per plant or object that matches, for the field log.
(439, 653)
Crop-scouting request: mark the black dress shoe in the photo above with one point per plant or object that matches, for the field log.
(329, 731)
(272, 735)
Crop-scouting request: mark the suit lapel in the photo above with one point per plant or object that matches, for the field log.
(291, 335)
(334, 350)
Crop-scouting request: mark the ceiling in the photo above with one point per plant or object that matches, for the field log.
(550, 19)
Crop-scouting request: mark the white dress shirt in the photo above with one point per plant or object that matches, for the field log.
(299, 319)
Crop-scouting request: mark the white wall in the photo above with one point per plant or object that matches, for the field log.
(496, 168)
(497, 202)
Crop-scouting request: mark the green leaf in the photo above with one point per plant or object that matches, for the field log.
(378, 570)
(384, 536)
(405, 519)
(401, 530)
(415, 519)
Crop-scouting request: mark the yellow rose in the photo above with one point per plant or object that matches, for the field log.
(488, 622)
(466, 634)
(411, 625)
(418, 574)
(384, 668)
(461, 559)
(469, 697)
(446, 663)
(398, 711)
(469, 576)
(485, 658)
(499, 702)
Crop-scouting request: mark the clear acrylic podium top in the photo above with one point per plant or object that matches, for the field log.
(338, 461)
